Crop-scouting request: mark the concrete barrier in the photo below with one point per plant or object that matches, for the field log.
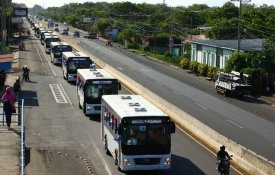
(253, 163)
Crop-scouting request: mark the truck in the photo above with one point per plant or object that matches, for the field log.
(91, 35)
(234, 83)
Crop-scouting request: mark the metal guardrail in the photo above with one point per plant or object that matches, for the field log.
(20, 121)
(22, 138)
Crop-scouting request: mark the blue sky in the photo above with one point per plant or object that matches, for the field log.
(211, 3)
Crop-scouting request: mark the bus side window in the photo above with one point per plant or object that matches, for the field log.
(112, 122)
(115, 124)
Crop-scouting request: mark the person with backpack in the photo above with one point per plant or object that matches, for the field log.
(8, 105)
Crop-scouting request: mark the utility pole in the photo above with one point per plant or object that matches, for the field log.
(3, 24)
(239, 22)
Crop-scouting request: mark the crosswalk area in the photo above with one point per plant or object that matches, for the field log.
(58, 93)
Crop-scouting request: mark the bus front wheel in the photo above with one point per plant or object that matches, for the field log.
(84, 108)
(79, 105)
(106, 146)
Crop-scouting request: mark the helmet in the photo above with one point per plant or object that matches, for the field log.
(25, 66)
(222, 148)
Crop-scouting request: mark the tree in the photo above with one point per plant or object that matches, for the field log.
(237, 62)
(102, 25)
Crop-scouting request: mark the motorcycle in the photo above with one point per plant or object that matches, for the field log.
(224, 166)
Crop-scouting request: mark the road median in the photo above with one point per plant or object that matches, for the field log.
(252, 162)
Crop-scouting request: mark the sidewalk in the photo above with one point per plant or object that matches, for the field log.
(10, 139)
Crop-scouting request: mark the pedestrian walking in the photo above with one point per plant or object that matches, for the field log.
(16, 88)
(8, 104)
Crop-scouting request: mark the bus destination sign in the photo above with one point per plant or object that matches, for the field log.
(102, 82)
(147, 121)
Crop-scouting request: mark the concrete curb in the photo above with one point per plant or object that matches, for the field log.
(255, 164)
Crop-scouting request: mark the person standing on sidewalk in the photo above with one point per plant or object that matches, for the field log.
(8, 104)
(16, 88)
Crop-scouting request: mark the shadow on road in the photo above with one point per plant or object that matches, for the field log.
(30, 98)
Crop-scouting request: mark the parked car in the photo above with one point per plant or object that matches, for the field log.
(76, 34)
(91, 35)
(64, 32)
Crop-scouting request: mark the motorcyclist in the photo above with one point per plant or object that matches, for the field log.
(26, 72)
(221, 156)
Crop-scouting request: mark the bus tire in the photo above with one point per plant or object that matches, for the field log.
(84, 107)
(106, 146)
(116, 157)
(80, 107)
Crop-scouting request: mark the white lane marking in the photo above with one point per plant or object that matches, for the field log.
(41, 59)
(119, 68)
(57, 93)
(145, 70)
(201, 106)
(176, 92)
(101, 158)
(235, 124)
(65, 94)
(49, 63)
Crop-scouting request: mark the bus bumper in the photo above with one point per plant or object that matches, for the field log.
(149, 162)
(57, 61)
(71, 77)
(93, 109)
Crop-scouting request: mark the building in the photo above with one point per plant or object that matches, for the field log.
(215, 52)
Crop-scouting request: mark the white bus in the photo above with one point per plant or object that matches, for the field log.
(91, 85)
(71, 61)
(136, 133)
(47, 42)
(56, 51)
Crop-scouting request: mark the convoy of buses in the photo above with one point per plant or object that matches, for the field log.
(135, 132)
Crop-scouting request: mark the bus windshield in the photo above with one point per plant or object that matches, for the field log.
(57, 50)
(77, 63)
(153, 138)
(49, 40)
(95, 91)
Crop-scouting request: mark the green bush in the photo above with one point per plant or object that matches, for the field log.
(167, 54)
(212, 72)
(132, 46)
(193, 67)
(184, 63)
(255, 80)
(202, 69)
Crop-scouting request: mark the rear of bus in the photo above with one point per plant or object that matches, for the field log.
(47, 43)
(57, 50)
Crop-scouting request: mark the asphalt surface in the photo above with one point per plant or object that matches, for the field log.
(61, 140)
(230, 117)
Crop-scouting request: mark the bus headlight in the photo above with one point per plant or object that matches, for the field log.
(167, 161)
(126, 162)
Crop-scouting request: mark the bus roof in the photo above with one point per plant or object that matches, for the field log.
(131, 106)
(59, 43)
(50, 36)
(90, 74)
(73, 54)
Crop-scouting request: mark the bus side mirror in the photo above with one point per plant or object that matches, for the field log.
(120, 130)
(172, 127)
(119, 86)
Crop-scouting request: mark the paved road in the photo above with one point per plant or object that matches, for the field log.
(230, 117)
(62, 140)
